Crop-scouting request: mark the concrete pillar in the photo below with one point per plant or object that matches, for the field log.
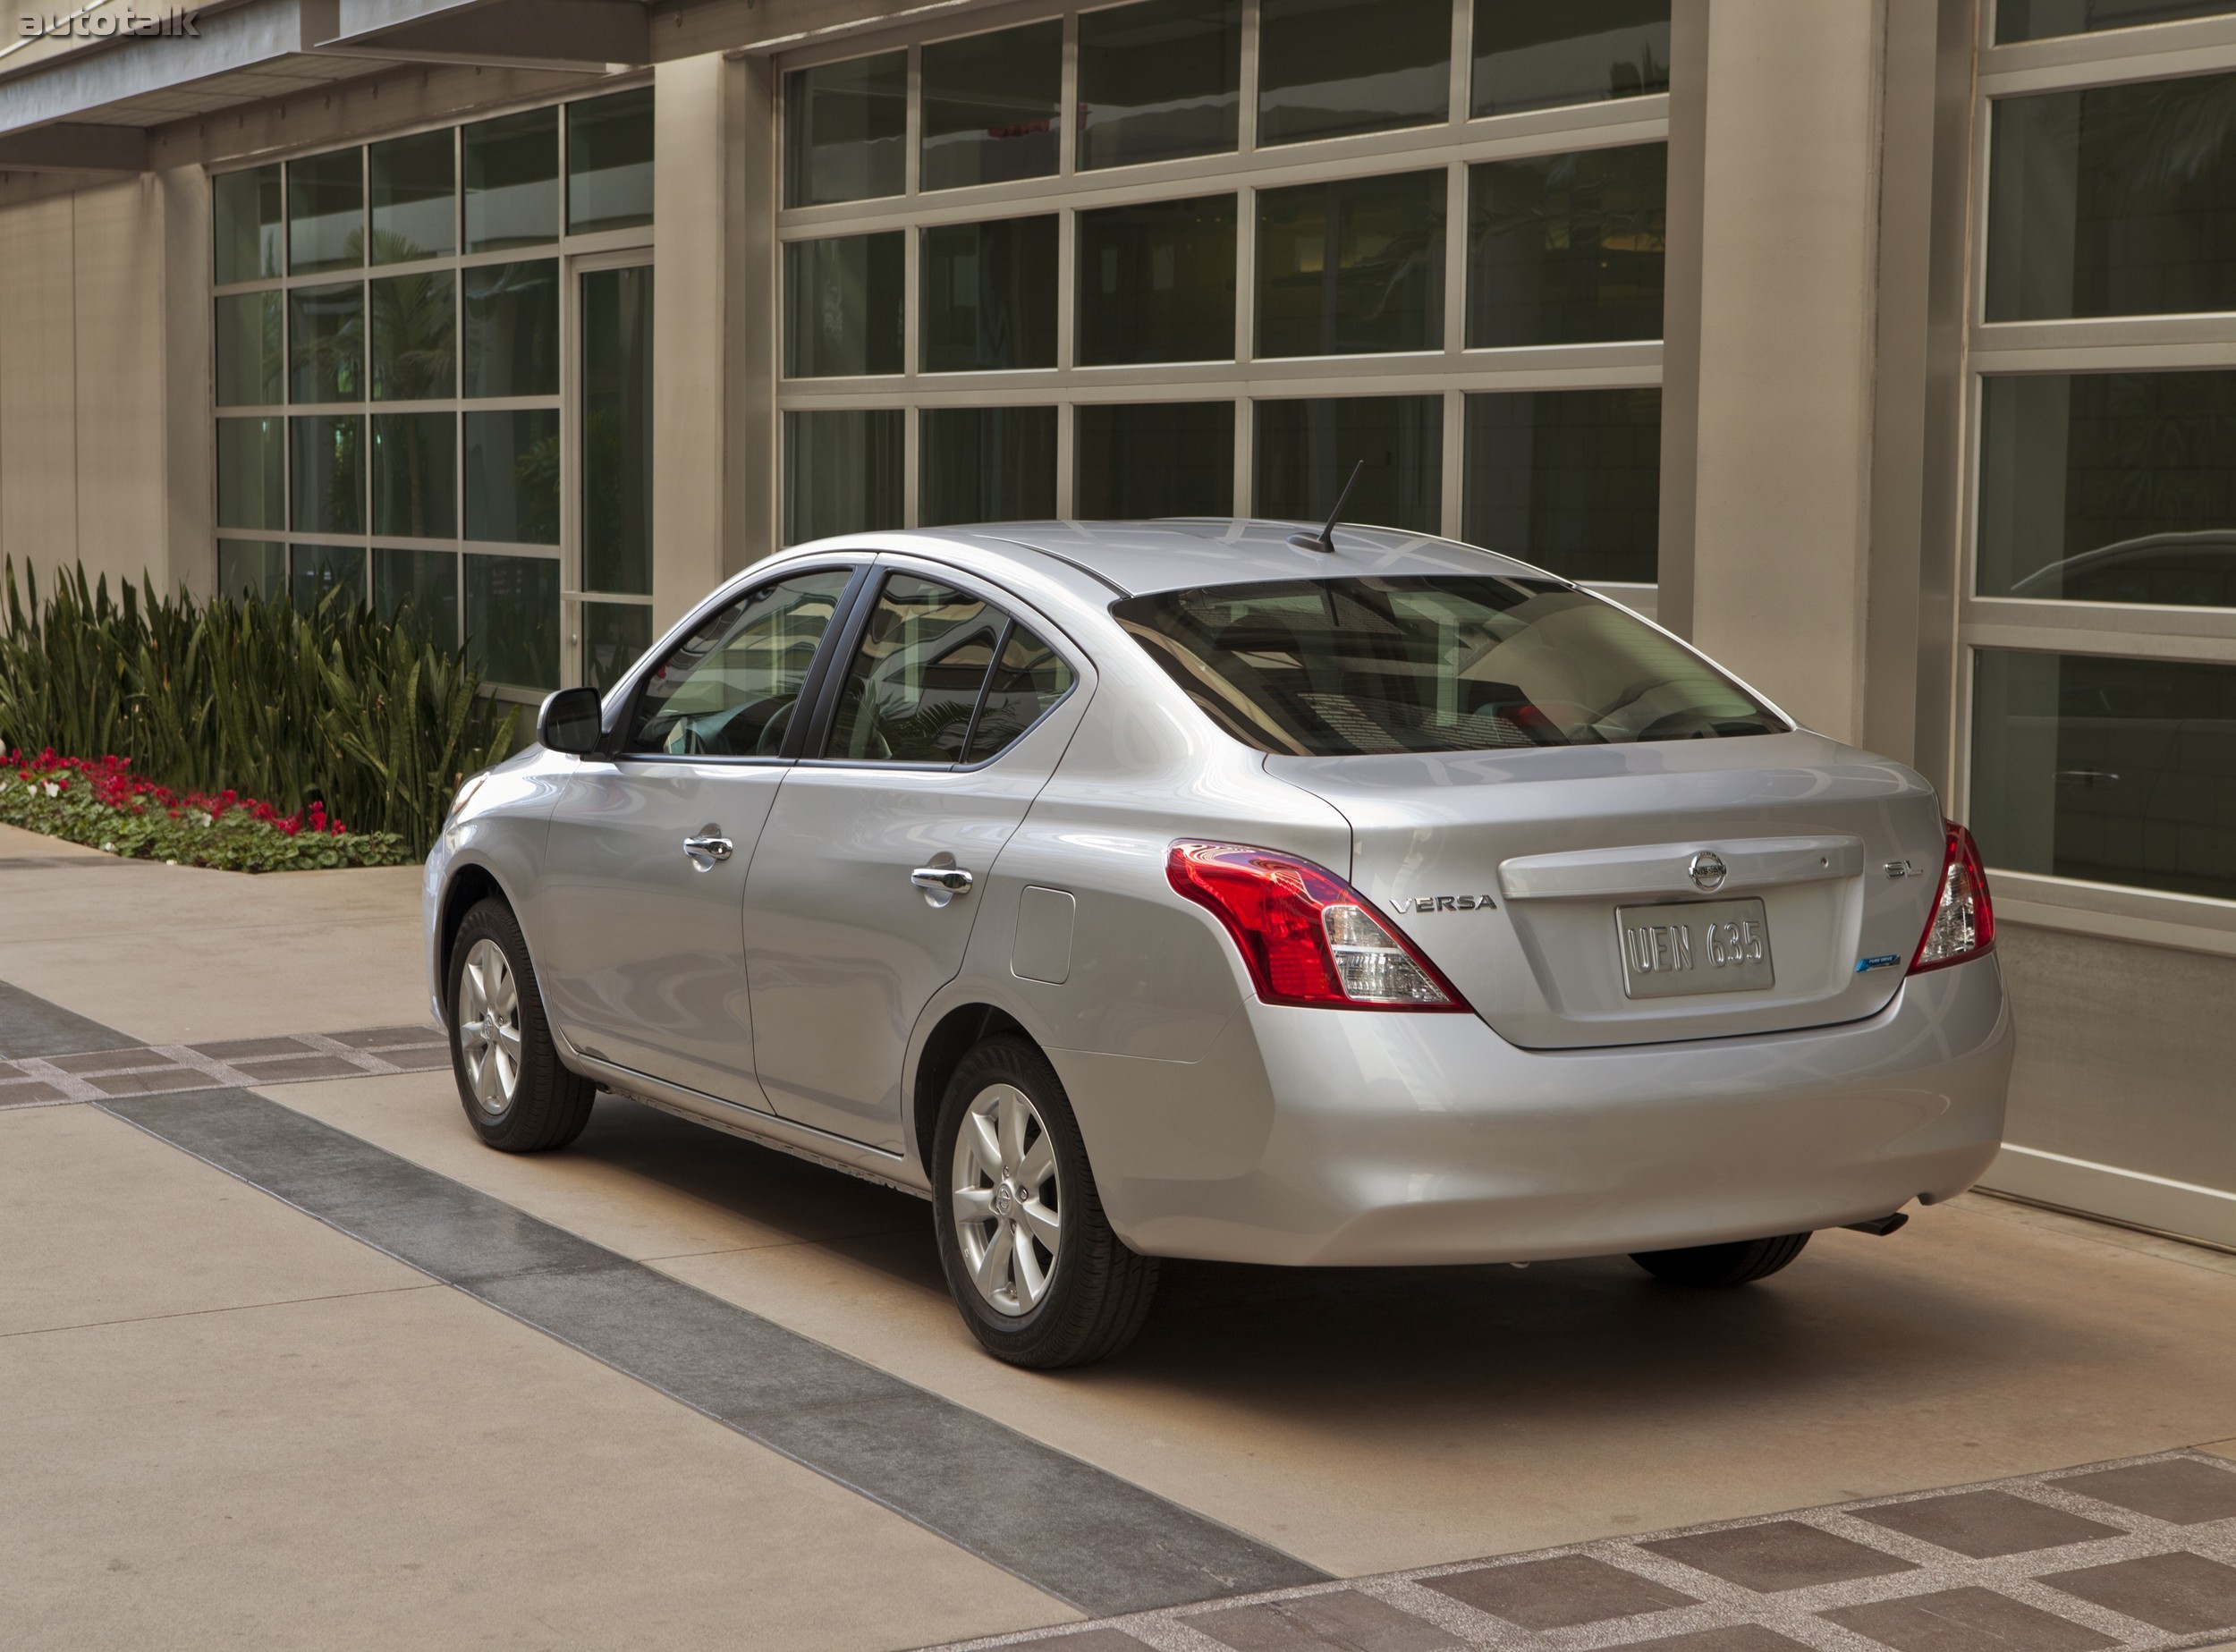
(190, 435)
(38, 390)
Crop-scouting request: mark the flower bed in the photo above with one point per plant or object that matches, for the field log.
(101, 803)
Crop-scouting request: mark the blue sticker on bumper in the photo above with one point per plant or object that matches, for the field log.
(1885, 961)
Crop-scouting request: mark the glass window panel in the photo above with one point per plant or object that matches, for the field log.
(513, 329)
(842, 472)
(729, 689)
(325, 332)
(415, 475)
(249, 355)
(512, 476)
(846, 129)
(513, 619)
(988, 464)
(252, 492)
(2119, 200)
(423, 583)
(609, 162)
(325, 212)
(1567, 249)
(1329, 68)
(2038, 20)
(990, 106)
(414, 184)
(249, 568)
(1568, 479)
(2114, 771)
(1029, 679)
(1534, 56)
(1154, 459)
(245, 229)
(989, 295)
(1158, 80)
(843, 299)
(614, 637)
(317, 572)
(2109, 487)
(1351, 267)
(915, 680)
(616, 324)
(512, 181)
(1156, 282)
(1306, 450)
(415, 338)
(326, 473)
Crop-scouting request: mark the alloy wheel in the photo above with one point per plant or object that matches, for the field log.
(489, 1026)
(1007, 1199)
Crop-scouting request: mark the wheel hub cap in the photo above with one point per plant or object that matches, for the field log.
(488, 1017)
(1007, 1200)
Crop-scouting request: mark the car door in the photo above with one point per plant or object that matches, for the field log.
(947, 718)
(639, 945)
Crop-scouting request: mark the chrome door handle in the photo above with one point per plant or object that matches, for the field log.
(707, 850)
(941, 884)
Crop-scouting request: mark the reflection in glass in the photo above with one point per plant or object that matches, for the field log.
(1567, 249)
(1306, 450)
(317, 572)
(513, 329)
(990, 104)
(415, 464)
(1575, 51)
(842, 472)
(729, 688)
(1029, 678)
(250, 356)
(1568, 479)
(423, 583)
(989, 295)
(1154, 459)
(513, 619)
(415, 338)
(1158, 80)
(325, 212)
(2038, 20)
(2109, 487)
(614, 637)
(415, 197)
(2119, 200)
(248, 568)
(846, 129)
(1156, 282)
(1351, 267)
(988, 464)
(609, 162)
(843, 299)
(512, 181)
(245, 227)
(1329, 68)
(915, 679)
(617, 430)
(512, 481)
(325, 474)
(2114, 771)
(251, 490)
(325, 332)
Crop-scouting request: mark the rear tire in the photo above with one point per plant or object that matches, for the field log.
(518, 1095)
(1034, 1266)
(1714, 1267)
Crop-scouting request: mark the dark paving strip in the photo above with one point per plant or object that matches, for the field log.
(30, 1026)
(1078, 1533)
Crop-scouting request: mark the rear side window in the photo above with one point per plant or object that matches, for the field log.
(1440, 663)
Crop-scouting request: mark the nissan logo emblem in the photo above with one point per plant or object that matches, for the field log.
(1707, 871)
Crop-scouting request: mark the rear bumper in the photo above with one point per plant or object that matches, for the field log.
(1327, 1139)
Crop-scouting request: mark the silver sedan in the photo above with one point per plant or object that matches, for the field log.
(1213, 889)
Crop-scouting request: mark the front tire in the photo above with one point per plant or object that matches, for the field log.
(1034, 1266)
(518, 1095)
(1716, 1268)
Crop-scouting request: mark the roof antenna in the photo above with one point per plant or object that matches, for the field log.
(1324, 540)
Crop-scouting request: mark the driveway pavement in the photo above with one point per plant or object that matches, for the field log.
(292, 1361)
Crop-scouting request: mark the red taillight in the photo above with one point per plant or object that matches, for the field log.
(1307, 936)
(1963, 921)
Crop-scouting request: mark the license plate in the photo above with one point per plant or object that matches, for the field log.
(1694, 946)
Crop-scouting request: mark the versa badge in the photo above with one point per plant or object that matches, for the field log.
(1446, 903)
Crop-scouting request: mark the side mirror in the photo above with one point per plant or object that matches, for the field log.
(571, 722)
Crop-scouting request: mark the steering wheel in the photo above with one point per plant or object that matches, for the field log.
(771, 736)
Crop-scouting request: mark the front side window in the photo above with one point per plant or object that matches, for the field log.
(1352, 668)
(729, 688)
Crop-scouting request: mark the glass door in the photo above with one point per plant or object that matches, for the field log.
(614, 453)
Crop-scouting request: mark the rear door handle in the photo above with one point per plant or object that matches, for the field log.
(941, 884)
(707, 850)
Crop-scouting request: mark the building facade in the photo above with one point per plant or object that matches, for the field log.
(1886, 348)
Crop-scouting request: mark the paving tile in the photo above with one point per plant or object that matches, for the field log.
(2180, 1489)
(1559, 1593)
(1086, 1641)
(1344, 1621)
(109, 1060)
(1984, 1524)
(1739, 1638)
(286, 1070)
(2183, 1592)
(416, 1061)
(239, 1049)
(160, 1082)
(1778, 1555)
(1967, 1620)
(383, 1038)
(15, 1092)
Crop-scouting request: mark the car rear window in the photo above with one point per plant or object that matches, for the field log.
(1438, 663)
